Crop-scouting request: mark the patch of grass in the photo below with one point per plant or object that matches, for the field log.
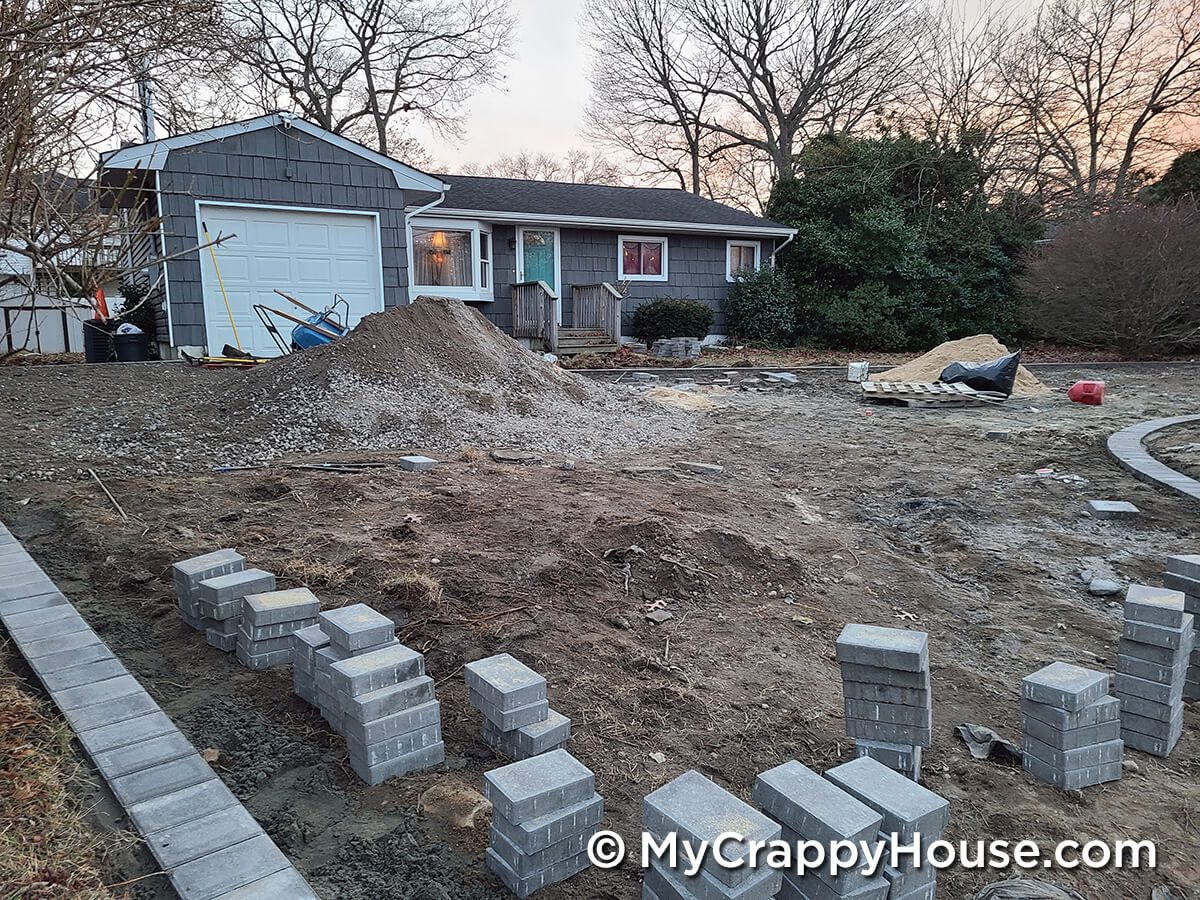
(47, 849)
(314, 573)
(416, 590)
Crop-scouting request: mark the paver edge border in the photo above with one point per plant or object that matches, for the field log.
(1128, 448)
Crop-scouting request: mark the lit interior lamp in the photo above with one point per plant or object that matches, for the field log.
(439, 249)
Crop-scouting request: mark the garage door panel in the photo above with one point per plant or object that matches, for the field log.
(310, 256)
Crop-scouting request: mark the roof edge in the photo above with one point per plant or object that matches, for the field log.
(769, 229)
(153, 155)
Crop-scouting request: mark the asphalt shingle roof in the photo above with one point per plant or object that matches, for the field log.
(552, 198)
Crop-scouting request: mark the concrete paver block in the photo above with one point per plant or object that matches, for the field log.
(764, 883)
(1160, 636)
(1167, 694)
(383, 668)
(1160, 744)
(885, 693)
(39, 601)
(524, 887)
(536, 834)
(305, 644)
(1187, 565)
(142, 755)
(265, 660)
(416, 463)
(402, 722)
(1167, 657)
(700, 810)
(286, 884)
(1154, 606)
(100, 670)
(888, 732)
(1140, 668)
(357, 627)
(226, 643)
(513, 719)
(538, 786)
(219, 873)
(97, 692)
(1079, 758)
(877, 676)
(810, 887)
(1075, 737)
(907, 807)
(902, 758)
(221, 589)
(526, 864)
(504, 682)
(275, 607)
(70, 658)
(395, 746)
(816, 809)
(156, 781)
(387, 701)
(530, 740)
(39, 616)
(62, 626)
(893, 714)
(402, 765)
(115, 735)
(128, 706)
(1112, 509)
(1065, 686)
(1075, 779)
(201, 836)
(1149, 709)
(67, 643)
(275, 631)
(182, 806)
(888, 648)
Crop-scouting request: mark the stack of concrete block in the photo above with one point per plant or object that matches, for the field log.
(517, 718)
(544, 812)
(371, 689)
(1183, 574)
(188, 574)
(908, 810)
(269, 620)
(1072, 728)
(888, 701)
(811, 809)
(677, 348)
(698, 811)
(1152, 666)
(221, 599)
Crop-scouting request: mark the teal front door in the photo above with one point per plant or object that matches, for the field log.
(539, 256)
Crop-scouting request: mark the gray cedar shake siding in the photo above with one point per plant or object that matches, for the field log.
(271, 166)
(695, 270)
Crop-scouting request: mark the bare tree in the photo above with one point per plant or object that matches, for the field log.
(368, 68)
(575, 167)
(790, 69)
(651, 88)
(69, 72)
(1104, 88)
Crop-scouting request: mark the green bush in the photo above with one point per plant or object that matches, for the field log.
(761, 308)
(670, 318)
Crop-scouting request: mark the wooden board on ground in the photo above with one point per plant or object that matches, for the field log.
(931, 394)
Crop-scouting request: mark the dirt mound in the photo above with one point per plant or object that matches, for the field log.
(976, 349)
(436, 374)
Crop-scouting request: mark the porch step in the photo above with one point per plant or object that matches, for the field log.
(572, 341)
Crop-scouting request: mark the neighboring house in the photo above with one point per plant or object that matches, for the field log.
(315, 215)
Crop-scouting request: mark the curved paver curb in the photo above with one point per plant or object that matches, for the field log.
(1128, 448)
(210, 847)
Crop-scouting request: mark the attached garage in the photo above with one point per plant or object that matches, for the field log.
(315, 256)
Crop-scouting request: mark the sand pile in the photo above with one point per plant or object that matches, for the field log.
(976, 349)
(437, 375)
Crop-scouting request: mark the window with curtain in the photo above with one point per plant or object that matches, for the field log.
(485, 260)
(741, 257)
(443, 258)
(643, 259)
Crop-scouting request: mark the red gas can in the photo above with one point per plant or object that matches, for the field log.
(1090, 393)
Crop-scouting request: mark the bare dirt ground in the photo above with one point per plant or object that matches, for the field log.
(1179, 448)
(828, 511)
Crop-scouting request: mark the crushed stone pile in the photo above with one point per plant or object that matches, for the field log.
(437, 375)
(976, 349)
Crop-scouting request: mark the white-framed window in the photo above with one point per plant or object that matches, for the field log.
(451, 258)
(641, 258)
(741, 257)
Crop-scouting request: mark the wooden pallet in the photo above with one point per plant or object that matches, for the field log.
(931, 394)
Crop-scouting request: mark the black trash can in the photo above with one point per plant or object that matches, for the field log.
(97, 341)
(133, 347)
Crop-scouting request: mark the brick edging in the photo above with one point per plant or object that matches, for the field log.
(206, 841)
(1128, 447)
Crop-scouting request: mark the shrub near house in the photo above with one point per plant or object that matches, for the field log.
(670, 318)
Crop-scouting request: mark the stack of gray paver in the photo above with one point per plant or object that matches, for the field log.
(1152, 666)
(372, 690)
(517, 718)
(811, 809)
(187, 576)
(269, 620)
(544, 811)
(1183, 574)
(697, 810)
(221, 599)
(1072, 728)
(909, 811)
(677, 348)
(888, 700)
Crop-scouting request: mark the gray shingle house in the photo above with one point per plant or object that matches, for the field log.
(315, 214)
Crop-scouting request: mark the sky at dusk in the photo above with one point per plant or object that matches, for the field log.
(540, 104)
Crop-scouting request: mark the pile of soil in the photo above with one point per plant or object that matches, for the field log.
(976, 349)
(437, 375)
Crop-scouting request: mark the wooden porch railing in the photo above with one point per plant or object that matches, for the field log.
(535, 313)
(598, 306)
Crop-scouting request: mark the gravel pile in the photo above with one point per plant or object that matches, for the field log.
(434, 375)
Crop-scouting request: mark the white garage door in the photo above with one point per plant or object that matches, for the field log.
(309, 255)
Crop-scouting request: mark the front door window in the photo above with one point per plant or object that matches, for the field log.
(538, 256)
